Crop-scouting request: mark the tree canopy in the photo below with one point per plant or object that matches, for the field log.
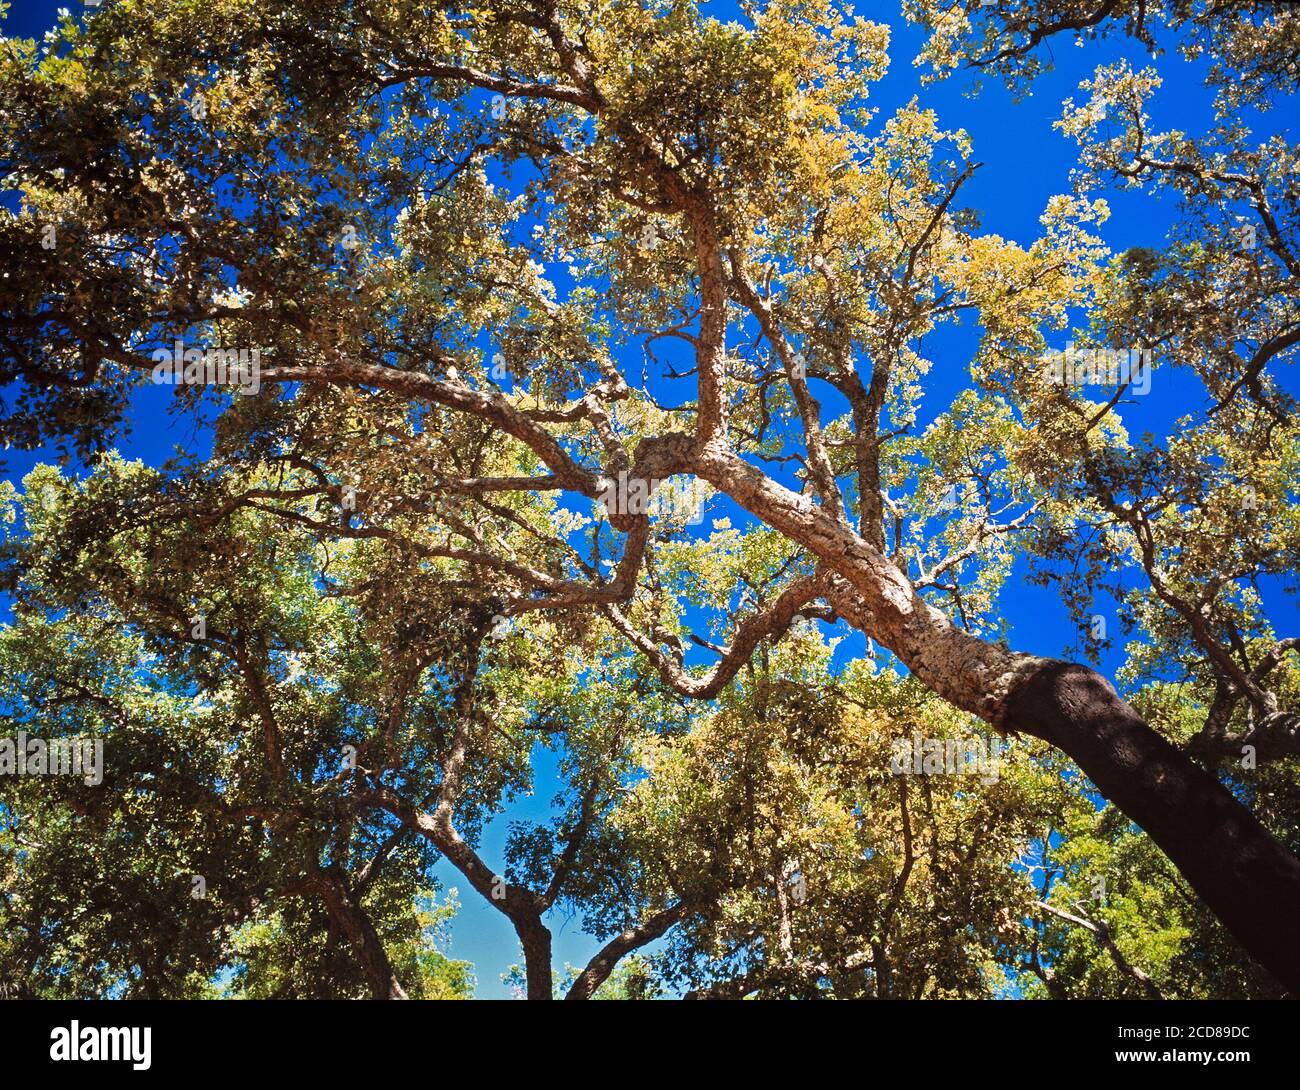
(577, 403)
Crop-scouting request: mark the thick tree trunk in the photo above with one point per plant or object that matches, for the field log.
(535, 937)
(355, 924)
(1245, 877)
(1249, 880)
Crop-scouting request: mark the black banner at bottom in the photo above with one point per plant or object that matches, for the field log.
(151, 1039)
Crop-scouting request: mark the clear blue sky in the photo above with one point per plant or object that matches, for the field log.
(1026, 162)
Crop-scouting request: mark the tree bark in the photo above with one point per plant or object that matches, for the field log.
(519, 905)
(1245, 877)
(357, 928)
(535, 938)
(622, 944)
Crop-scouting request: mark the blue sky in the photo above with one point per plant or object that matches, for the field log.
(1026, 162)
